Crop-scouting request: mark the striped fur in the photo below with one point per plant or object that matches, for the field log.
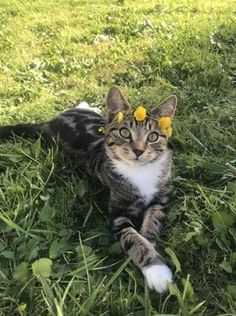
(137, 172)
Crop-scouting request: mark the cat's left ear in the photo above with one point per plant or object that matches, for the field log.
(166, 107)
(116, 102)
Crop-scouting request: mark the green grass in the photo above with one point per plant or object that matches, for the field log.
(59, 258)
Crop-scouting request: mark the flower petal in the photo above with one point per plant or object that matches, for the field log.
(120, 117)
(169, 131)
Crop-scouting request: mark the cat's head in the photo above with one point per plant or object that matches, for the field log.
(135, 141)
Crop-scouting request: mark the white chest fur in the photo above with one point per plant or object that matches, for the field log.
(146, 178)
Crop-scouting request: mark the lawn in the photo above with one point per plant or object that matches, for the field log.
(57, 255)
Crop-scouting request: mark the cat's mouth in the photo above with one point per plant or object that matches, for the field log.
(129, 157)
(135, 160)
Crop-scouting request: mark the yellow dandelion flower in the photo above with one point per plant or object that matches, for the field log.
(164, 122)
(169, 131)
(140, 113)
(101, 130)
(22, 307)
(120, 117)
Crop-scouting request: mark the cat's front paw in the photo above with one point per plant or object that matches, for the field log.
(158, 276)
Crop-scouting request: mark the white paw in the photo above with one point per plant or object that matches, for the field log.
(85, 105)
(157, 276)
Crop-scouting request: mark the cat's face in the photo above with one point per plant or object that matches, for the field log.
(135, 142)
(132, 141)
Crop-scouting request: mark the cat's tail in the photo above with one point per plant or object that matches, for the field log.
(33, 131)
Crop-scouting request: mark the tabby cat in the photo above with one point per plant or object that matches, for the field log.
(130, 157)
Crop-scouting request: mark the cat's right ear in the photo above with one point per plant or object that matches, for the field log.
(166, 107)
(116, 102)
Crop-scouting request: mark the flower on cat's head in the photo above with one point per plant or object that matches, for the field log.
(140, 113)
(119, 117)
(101, 130)
(164, 123)
(169, 131)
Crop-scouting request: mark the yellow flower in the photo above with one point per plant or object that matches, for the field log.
(101, 129)
(22, 306)
(164, 122)
(169, 131)
(120, 117)
(140, 113)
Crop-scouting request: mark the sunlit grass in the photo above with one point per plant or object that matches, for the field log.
(56, 53)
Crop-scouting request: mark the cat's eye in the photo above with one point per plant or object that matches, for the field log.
(125, 132)
(153, 137)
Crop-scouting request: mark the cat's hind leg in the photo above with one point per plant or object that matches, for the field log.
(85, 105)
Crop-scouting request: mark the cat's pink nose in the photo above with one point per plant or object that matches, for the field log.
(138, 152)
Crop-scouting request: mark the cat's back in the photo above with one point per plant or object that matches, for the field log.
(78, 129)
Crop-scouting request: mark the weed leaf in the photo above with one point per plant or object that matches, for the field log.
(21, 272)
(174, 258)
(221, 220)
(47, 213)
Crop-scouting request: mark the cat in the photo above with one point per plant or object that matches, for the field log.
(131, 158)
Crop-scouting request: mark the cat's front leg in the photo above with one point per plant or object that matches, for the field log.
(151, 227)
(142, 253)
(152, 223)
